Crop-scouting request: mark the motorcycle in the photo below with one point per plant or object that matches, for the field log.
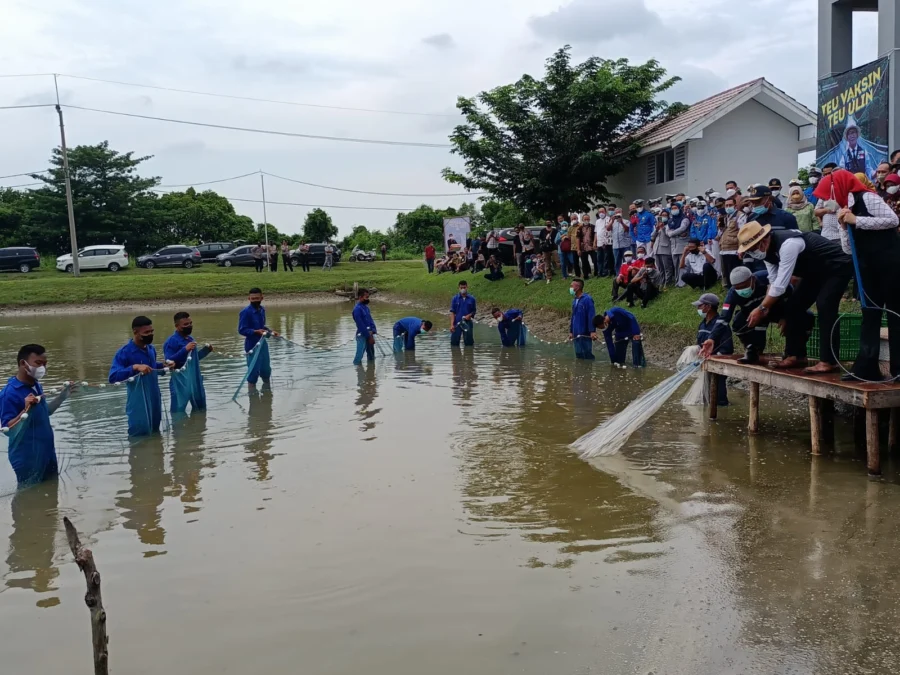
(357, 255)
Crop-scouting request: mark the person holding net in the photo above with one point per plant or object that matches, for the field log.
(620, 327)
(187, 386)
(406, 330)
(511, 326)
(25, 418)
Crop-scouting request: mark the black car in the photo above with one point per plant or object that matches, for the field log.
(506, 248)
(317, 255)
(210, 252)
(240, 256)
(19, 259)
(172, 256)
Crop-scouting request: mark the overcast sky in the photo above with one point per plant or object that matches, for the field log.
(401, 55)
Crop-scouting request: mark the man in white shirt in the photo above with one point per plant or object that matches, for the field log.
(603, 243)
(697, 269)
(824, 271)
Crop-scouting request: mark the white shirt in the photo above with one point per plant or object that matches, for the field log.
(603, 237)
(881, 217)
(780, 274)
(694, 262)
(831, 229)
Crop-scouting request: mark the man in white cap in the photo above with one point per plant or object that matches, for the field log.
(824, 270)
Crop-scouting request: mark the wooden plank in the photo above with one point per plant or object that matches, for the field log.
(93, 599)
(859, 394)
(815, 424)
(753, 424)
(894, 430)
(872, 449)
(713, 396)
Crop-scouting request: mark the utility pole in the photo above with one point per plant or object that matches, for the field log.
(65, 155)
(262, 182)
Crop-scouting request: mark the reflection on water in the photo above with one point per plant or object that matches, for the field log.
(425, 508)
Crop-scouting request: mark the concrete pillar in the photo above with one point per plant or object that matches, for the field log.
(835, 37)
(888, 44)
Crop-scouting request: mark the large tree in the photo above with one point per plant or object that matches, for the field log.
(549, 146)
(318, 227)
(419, 227)
(194, 217)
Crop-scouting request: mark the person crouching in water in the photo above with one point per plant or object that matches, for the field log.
(512, 329)
(714, 337)
(619, 328)
(406, 330)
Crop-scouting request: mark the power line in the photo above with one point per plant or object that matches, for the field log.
(257, 100)
(313, 206)
(33, 105)
(9, 187)
(18, 175)
(210, 182)
(260, 131)
(368, 192)
(28, 75)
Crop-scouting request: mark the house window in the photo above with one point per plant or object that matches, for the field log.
(667, 166)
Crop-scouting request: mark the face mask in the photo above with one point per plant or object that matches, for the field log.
(759, 210)
(602, 214)
(775, 193)
(813, 180)
(256, 304)
(641, 256)
(893, 189)
(676, 212)
(755, 255)
(700, 312)
(744, 292)
(746, 210)
(881, 176)
(147, 339)
(463, 291)
(365, 302)
(729, 210)
(665, 219)
(188, 330)
(571, 291)
(37, 372)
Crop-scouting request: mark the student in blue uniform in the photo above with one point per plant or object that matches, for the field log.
(32, 450)
(252, 325)
(619, 328)
(512, 329)
(365, 328)
(581, 326)
(406, 330)
(714, 336)
(462, 311)
(136, 361)
(176, 350)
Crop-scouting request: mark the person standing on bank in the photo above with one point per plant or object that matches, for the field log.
(620, 232)
(815, 175)
(273, 257)
(365, 328)
(678, 229)
(429, 257)
(714, 337)
(258, 252)
(587, 247)
(462, 311)
(303, 254)
(765, 212)
(775, 189)
(603, 242)
(874, 230)
(645, 225)
(802, 210)
(383, 251)
(824, 270)
(581, 325)
(286, 262)
(548, 245)
(662, 250)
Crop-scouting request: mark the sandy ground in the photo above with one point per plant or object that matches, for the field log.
(297, 300)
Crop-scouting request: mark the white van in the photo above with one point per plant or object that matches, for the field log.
(110, 257)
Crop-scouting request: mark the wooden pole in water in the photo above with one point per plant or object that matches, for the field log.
(85, 560)
(713, 396)
(872, 449)
(355, 291)
(753, 424)
(815, 424)
(894, 430)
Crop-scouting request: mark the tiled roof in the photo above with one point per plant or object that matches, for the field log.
(666, 129)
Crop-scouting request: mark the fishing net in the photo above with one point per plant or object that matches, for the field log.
(698, 394)
(609, 437)
(186, 384)
(144, 404)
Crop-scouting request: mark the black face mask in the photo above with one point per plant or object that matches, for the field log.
(365, 302)
(187, 330)
(256, 304)
(147, 339)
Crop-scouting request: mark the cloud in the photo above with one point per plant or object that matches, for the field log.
(595, 21)
(440, 41)
(310, 65)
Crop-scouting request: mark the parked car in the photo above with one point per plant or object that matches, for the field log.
(19, 259)
(110, 257)
(317, 255)
(237, 257)
(211, 252)
(171, 256)
(505, 241)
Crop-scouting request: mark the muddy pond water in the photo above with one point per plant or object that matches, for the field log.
(423, 514)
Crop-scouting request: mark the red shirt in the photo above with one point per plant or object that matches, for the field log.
(429, 252)
(637, 264)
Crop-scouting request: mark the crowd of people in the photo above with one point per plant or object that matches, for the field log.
(266, 257)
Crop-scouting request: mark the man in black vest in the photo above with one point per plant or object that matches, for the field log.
(824, 270)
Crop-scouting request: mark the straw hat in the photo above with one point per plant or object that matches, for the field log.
(751, 234)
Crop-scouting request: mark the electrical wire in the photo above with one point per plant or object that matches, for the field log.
(210, 182)
(367, 192)
(10, 187)
(32, 105)
(270, 132)
(251, 98)
(29, 173)
(313, 206)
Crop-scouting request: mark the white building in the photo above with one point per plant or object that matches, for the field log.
(748, 134)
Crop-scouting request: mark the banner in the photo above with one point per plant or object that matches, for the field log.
(853, 118)
(457, 230)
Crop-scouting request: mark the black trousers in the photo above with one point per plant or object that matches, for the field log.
(273, 263)
(259, 264)
(704, 280)
(576, 264)
(304, 262)
(586, 265)
(729, 264)
(826, 292)
(878, 252)
(286, 263)
(645, 294)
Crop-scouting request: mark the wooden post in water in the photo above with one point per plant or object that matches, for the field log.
(873, 456)
(713, 396)
(894, 430)
(85, 560)
(827, 420)
(815, 424)
(355, 291)
(753, 424)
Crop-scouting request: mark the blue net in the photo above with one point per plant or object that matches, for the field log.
(186, 384)
(144, 405)
(258, 365)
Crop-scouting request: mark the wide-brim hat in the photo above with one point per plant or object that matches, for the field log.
(751, 234)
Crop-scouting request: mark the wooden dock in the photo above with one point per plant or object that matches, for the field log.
(822, 391)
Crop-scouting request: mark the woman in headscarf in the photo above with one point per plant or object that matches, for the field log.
(862, 178)
(876, 245)
(798, 206)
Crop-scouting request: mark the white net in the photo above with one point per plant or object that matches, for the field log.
(698, 394)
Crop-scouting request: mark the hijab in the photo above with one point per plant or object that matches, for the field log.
(843, 183)
(791, 205)
(865, 180)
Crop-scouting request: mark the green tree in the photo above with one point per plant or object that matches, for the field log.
(112, 202)
(364, 238)
(275, 237)
(195, 217)
(803, 174)
(550, 145)
(417, 228)
(318, 227)
(501, 215)
(14, 206)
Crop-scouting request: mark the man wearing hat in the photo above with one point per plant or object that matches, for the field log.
(714, 336)
(775, 187)
(824, 270)
(764, 210)
(646, 224)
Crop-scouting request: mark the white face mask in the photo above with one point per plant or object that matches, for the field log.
(775, 193)
(893, 189)
(641, 256)
(755, 255)
(813, 180)
(37, 372)
(747, 210)
(640, 209)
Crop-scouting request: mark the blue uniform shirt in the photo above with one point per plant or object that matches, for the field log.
(411, 325)
(808, 192)
(622, 322)
(778, 219)
(646, 224)
(733, 300)
(175, 350)
(249, 320)
(719, 332)
(128, 356)
(509, 316)
(365, 325)
(32, 454)
(582, 323)
(143, 407)
(462, 305)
